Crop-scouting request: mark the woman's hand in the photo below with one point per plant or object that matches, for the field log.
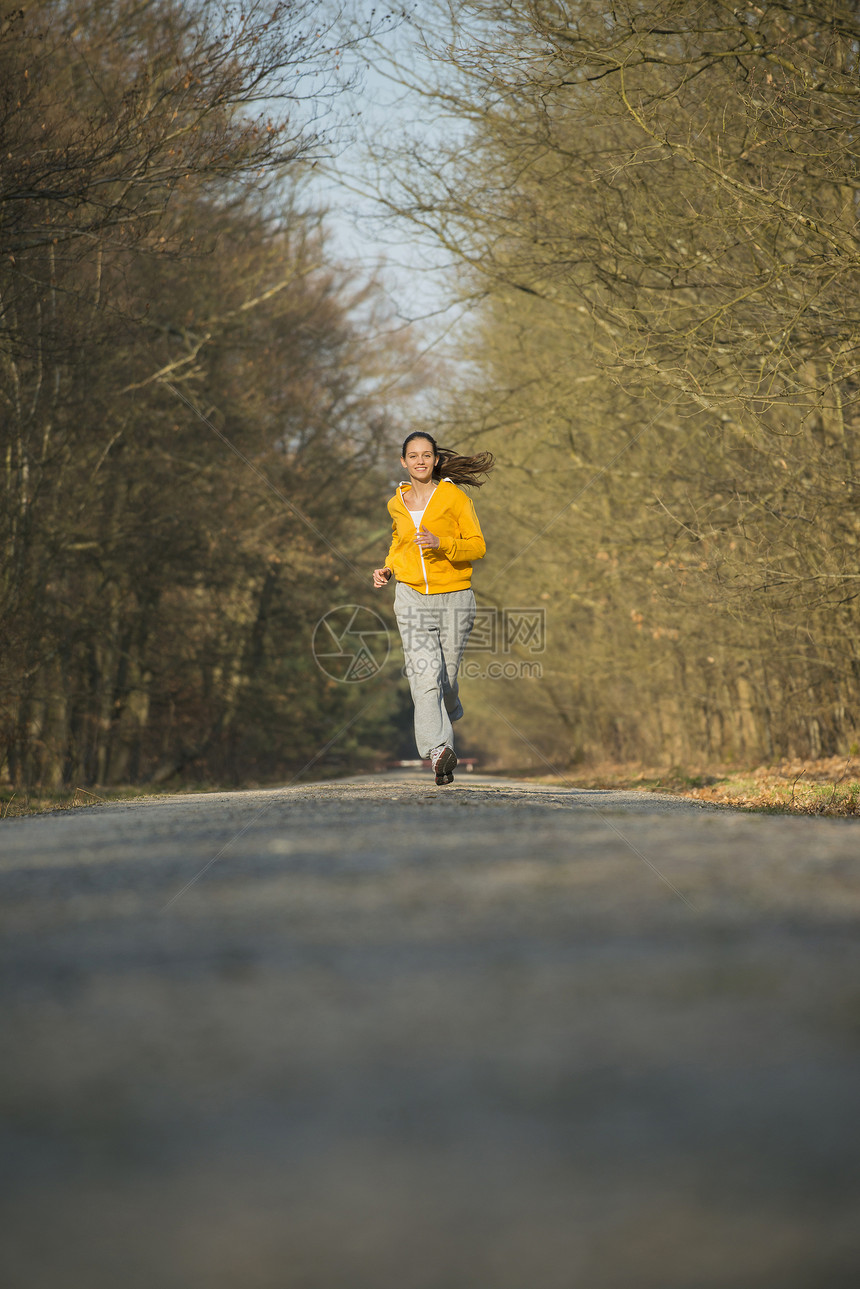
(381, 576)
(425, 538)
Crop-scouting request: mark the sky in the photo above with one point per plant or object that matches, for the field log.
(416, 274)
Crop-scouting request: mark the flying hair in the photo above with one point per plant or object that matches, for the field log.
(459, 469)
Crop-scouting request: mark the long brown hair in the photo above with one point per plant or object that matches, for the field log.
(459, 469)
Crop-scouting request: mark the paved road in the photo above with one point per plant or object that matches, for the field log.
(375, 1035)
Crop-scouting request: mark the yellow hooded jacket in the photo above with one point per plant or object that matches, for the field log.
(450, 516)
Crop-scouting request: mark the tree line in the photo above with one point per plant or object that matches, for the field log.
(194, 426)
(651, 212)
(654, 211)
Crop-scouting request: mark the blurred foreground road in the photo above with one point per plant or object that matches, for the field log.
(491, 1036)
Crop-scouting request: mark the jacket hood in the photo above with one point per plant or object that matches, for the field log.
(407, 483)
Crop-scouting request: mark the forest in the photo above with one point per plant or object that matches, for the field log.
(655, 212)
(193, 432)
(651, 217)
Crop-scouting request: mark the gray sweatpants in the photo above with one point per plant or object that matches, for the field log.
(434, 630)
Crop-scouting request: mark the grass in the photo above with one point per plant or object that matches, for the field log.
(828, 786)
(17, 802)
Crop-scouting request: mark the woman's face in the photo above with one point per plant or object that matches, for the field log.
(419, 460)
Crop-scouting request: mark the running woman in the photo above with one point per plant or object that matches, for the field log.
(435, 538)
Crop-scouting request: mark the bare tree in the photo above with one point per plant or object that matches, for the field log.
(182, 363)
(658, 205)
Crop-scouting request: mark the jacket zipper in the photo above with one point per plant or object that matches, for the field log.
(420, 548)
(424, 566)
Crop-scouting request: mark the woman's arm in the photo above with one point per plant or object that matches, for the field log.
(470, 544)
(394, 539)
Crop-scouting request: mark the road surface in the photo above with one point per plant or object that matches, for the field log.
(371, 1034)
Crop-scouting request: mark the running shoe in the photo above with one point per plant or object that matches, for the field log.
(443, 761)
